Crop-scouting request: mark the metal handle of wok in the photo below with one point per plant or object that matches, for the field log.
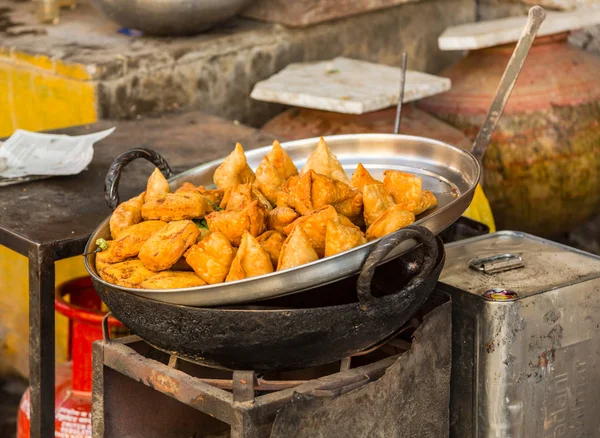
(422, 235)
(508, 80)
(111, 182)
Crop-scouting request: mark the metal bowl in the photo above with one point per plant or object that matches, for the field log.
(170, 17)
(450, 172)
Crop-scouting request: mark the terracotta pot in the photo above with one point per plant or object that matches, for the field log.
(300, 123)
(542, 168)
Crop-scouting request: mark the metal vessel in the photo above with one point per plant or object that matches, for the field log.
(526, 339)
(168, 17)
(449, 172)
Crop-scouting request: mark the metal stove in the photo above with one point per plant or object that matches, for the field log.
(139, 391)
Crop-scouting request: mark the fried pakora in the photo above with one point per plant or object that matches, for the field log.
(187, 204)
(166, 246)
(172, 280)
(131, 239)
(126, 214)
(211, 258)
(130, 273)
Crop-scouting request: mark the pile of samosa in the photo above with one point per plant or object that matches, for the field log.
(253, 223)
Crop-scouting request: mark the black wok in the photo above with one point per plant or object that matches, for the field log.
(312, 328)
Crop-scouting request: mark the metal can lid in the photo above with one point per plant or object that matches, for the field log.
(498, 294)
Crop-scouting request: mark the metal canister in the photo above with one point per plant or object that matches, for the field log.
(526, 337)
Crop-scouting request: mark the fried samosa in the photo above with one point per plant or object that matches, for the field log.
(428, 201)
(250, 260)
(280, 217)
(315, 226)
(233, 170)
(296, 250)
(405, 188)
(324, 162)
(274, 170)
(131, 240)
(239, 196)
(315, 191)
(172, 280)
(157, 186)
(233, 223)
(130, 273)
(361, 178)
(166, 246)
(391, 220)
(340, 237)
(376, 201)
(126, 214)
(272, 241)
(181, 205)
(211, 258)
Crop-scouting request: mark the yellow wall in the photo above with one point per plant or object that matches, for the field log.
(39, 94)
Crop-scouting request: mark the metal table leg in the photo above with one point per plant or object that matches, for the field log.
(41, 342)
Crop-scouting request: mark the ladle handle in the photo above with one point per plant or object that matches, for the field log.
(422, 235)
(111, 182)
(508, 80)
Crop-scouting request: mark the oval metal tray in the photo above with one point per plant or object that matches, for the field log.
(449, 172)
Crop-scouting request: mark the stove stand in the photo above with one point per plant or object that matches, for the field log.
(139, 391)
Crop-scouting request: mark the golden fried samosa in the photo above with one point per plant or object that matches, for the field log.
(280, 217)
(393, 219)
(340, 237)
(211, 258)
(250, 260)
(131, 239)
(239, 196)
(361, 177)
(233, 170)
(186, 187)
(126, 214)
(324, 162)
(130, 273)
(315, 191)
(233, 223)
(315, 227)
(405, 188)
(272, 241)
(157, 186)
(181, 205)
(172, 280)
(167, 245)
(296, 250)
(273, 171)
(376, 201)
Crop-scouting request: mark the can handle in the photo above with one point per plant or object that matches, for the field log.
(113, 176)
(422, 235)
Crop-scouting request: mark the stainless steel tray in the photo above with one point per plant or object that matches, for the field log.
(448, 171)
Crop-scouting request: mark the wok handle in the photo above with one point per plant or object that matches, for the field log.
(111, 182)
(384, 247)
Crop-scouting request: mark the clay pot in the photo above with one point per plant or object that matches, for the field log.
(300, 123)
(542, 168)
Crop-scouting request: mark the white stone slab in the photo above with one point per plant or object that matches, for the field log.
(564, 5)
(346, 86)
(508, 30)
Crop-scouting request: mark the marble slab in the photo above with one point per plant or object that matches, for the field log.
(508, 30)
(346, 86)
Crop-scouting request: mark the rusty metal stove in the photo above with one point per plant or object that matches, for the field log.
(139, 391)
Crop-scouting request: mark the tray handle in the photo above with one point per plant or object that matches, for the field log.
(422, 235)
(111, 182)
